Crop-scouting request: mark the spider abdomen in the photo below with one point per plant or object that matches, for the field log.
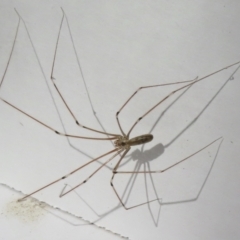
(125, 142)
(140, 139)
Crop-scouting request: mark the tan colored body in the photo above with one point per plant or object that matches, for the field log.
(124, 142)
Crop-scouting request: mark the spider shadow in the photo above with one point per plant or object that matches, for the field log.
(142, 159)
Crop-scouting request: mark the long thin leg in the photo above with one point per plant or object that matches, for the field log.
(56, 46)
(72, 172)
(158, 171)
(164, 170)
(62, 194)
(10, 56)
(138, 90)
(59, 92)
(52, 129)
(114, 172)
(28, 115)
(173, 92)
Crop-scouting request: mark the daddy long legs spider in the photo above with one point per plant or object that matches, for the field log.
(123, 142)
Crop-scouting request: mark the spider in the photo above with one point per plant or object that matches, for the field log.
(122, 142)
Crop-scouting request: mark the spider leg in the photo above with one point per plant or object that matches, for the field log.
(72, 172)
(33, 118)
(192, 82)
(138, 90)
(63, 194)
(115, 171)
(10, 56)
(59, 92)
(52, 129)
